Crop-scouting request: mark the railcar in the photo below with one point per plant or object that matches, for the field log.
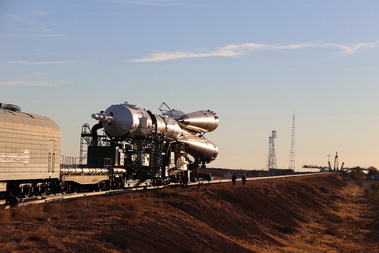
(29, 152)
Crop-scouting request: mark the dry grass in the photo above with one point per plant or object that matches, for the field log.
(332, 217)
(38, 235)
(8, 247)
(373, 193)
(289, 215)
(31, 241)
(5, 216)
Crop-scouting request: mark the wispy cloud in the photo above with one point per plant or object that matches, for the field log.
(39, 12)
(153, 2)
(34, 79)
(243, 49)
(38, 28)
(27, 83)
(10, 35)
(48, 35)
(23, 19)
(43, 31)
(36, 34)
(41, 62)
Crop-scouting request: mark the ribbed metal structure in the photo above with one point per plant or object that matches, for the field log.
(271, 158)
(292, 148)
(29, 146)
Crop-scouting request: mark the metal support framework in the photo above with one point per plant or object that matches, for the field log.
(86, 139)
(271, 158)
(292, 148)
(336, 162)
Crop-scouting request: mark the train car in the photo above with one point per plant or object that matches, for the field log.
(29, 152)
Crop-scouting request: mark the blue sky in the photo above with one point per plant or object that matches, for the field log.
(255, 63)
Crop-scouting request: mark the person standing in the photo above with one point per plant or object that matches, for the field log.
(234, 179)
(243, 180)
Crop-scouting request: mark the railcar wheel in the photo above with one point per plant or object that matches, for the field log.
(118, 184)
(41, 189)
(102, 186)
(26, 190)
(66, 188)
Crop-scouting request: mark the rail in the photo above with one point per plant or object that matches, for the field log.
(62, 197)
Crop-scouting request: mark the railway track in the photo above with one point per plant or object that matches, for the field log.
(69, 196)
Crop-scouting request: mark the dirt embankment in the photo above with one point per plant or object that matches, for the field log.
(308, 214)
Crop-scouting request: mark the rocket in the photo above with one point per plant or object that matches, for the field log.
(126, 121)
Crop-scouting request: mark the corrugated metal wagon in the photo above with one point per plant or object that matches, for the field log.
(29, 152)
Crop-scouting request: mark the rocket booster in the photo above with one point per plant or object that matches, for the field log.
(200, 121)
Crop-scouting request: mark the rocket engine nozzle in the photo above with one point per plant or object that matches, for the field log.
(102, 116)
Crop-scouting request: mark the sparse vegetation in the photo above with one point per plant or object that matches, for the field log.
(373, 193)
(332, 230)
(357, 175)
(372, 171)
(38, 235)
(5, 216)
(332, 217)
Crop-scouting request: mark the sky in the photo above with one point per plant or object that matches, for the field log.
(254, 63)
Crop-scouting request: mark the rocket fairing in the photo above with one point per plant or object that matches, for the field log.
(125, 121)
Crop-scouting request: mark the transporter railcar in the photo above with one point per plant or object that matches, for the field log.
(136, 148)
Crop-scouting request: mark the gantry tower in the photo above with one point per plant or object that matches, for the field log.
(292, 148)
(271, 158)
(336, 162)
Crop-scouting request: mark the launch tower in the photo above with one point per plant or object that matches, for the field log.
(271, 158)
(292, 148)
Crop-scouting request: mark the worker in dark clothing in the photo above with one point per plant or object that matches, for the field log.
(10, 200)
(243, 180)
(185, 179)
(234, 179)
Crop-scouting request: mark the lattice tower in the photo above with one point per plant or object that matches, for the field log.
(336, 162)
(271, 158)
(292, 148)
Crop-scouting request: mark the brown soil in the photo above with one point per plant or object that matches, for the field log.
(322, 213)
